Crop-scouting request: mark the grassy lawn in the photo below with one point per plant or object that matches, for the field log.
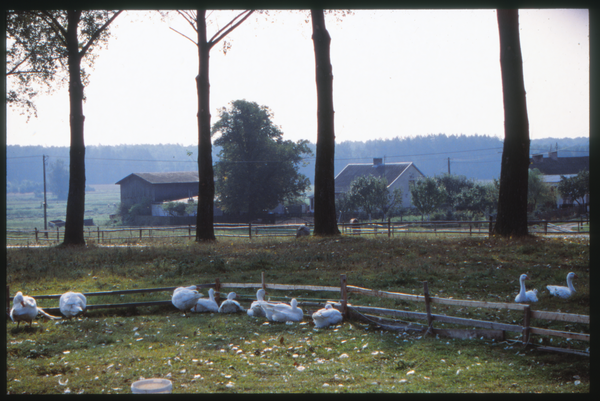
(107, 350)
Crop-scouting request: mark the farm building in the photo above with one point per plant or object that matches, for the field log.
(398, 175)
(158, 187)
(553, 167)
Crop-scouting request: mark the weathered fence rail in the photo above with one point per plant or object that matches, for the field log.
(357, 311)
(140, 234)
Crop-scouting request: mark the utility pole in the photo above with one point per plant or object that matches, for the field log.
(448, 165)
(45, 205)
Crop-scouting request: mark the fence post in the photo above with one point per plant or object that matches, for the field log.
(344, 294)
(140, 234)
(36, 238)
(470, 229)
(389, 227)
(57, 235)
(250, 230)
(490, 228)
(526, 319)
(217, 290)
(546, 227)
(427, 307)
(98, 234)
(189, 232)
(262, 280)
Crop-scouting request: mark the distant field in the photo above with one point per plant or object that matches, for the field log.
(25, 211)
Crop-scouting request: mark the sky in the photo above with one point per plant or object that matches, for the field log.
(400, 73)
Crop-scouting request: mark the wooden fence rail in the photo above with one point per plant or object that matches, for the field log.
(139, 234)
(344, 290)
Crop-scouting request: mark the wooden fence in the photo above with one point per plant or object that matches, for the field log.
(391, 229)
(494, 329)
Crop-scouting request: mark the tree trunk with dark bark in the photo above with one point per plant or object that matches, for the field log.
(76, 197)
(325, 217)
(206, 190)
(512, 199)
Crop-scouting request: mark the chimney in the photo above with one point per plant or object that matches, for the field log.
(553, 155)
(377, 161)
(537, 158)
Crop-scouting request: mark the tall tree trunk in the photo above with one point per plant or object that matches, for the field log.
(206, 189)
(76, 197)
(325, 218)
(512, 199)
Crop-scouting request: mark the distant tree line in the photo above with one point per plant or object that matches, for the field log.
(109, 164)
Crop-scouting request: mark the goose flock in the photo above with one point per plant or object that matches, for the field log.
(188, 299)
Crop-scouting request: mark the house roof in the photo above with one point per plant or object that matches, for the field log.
(177, 177)
(391, 172)
(561, 165)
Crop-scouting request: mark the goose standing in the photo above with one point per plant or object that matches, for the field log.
(327, 316)
(563, 292)
(72, 304)
(283, 312)
(229, 305)
(526, 296)
(25, 309)
(185, 298)
(206, 304)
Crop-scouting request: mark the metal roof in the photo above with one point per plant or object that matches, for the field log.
(177, 177)
(391, 172)
(561, 165)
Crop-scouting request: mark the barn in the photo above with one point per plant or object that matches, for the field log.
(158, 187)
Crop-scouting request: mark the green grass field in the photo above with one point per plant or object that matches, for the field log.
(107, 350)
(25, 211)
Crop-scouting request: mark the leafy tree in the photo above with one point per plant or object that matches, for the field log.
(368, 193)
(512, 199)
(30, 61)
(257, 168)
(539, 193)
(427, 195)
(325, 216)
(72, 37)
(206, 185)
(175, 208)
(454, 185)
(575, 188)
(479, 198)
(58, 179)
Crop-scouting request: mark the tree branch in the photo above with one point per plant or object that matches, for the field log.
(98, 32)
(187, 37)
(221, 33)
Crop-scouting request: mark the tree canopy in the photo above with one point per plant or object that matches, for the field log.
(427, 195)
(574, 189)
(257, 168)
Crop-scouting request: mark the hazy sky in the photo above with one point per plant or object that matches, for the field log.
(396, 74)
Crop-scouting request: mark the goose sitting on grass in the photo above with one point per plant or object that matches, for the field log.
(230, 305)
(563, 292)
(256, 308)
(72, 304)
(326, 316)
(185, 298)
(283, 312)
(526, 296)
(206, 304)
(25, 310)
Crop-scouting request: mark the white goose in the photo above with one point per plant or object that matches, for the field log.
(230, 306)
(185, 298)
(256, 308)
(327, 316)
(206, 304)
(283, 312)
(72, 304)
(526, 296)
(25, 309)
(563, 292)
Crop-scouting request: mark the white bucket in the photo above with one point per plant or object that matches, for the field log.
(152, 386)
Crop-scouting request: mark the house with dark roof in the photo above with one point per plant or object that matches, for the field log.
(553, 167)
(398, 175)
(158, 187)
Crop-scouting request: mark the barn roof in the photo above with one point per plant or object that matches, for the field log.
(560, 165)
(391, 172)
(176, 177)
